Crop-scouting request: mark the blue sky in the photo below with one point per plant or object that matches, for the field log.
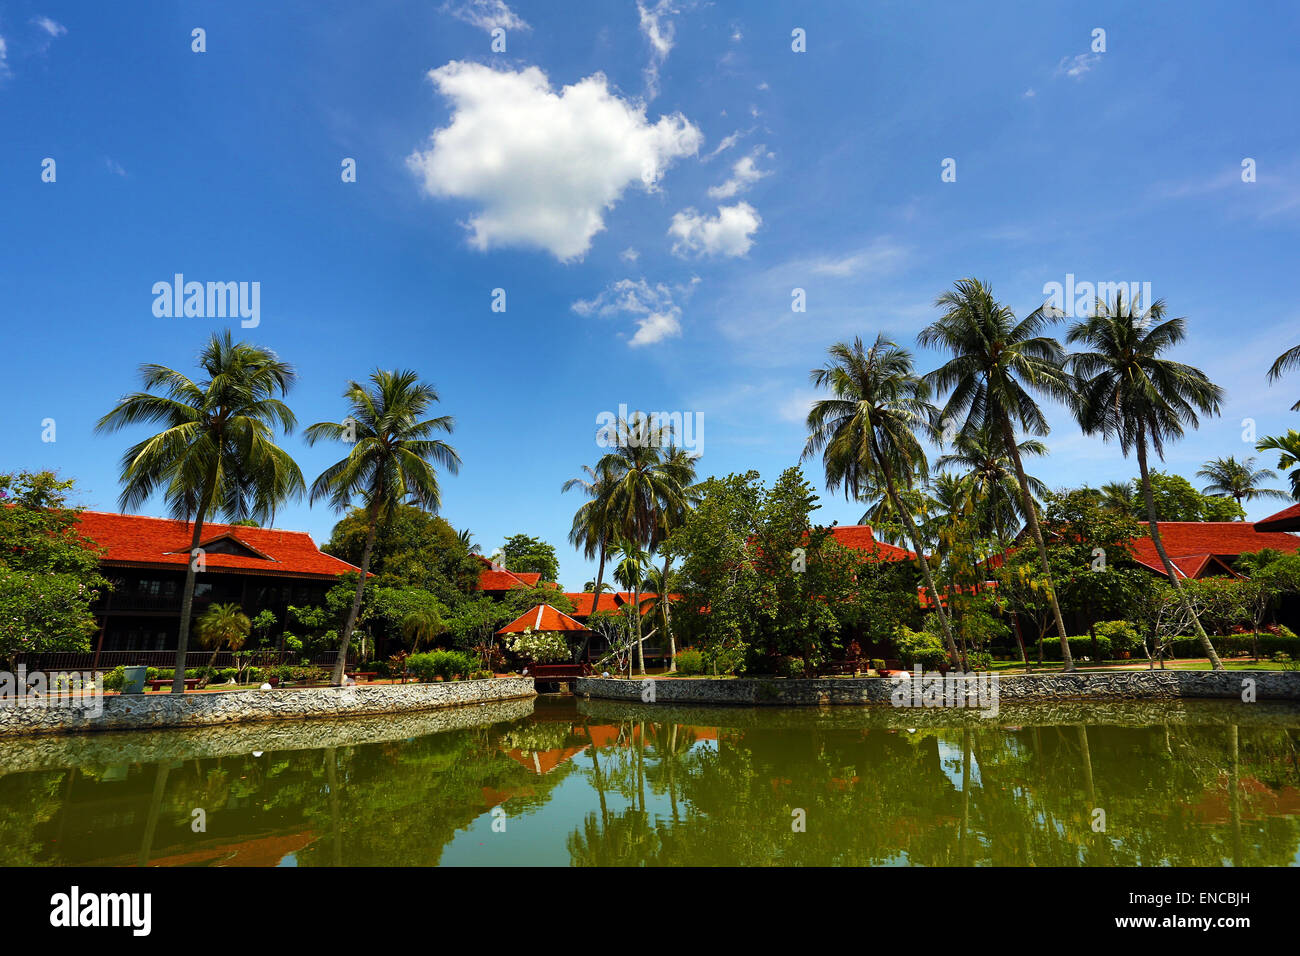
(648, 184)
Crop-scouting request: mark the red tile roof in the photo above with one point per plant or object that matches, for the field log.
(1196, 546)
(861, 538)
(138, 541)
(496, 578)
(1288, 519)
(582, 601)
(542, 618)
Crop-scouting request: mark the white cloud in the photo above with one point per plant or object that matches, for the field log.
(744, 173)
(1075, 66)
(629, 255)
(729, 233)
(543, 167)
(51, 27)
(659, 30)
(114, 166)
(4, 62)
(881, 256)
(656, 307)
(1029, 94)
(726, 144)
(486, 14)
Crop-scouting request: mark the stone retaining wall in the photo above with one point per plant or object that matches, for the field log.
(157, 711)
(57, 751)
(1112, 685)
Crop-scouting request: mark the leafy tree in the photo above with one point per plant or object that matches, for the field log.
(1175, 499)
(1129, 392)
(997, 363)
(758, 578)
(412, 549)
(391, 462)
(215, 455)
(529, 555)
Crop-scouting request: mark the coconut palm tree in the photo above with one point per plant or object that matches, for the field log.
(215, 455)
(1288, 446)
(648, 480)
(1127, 391)
(592, 531)
(1228, 477)
(393, 461)
(1284, 362)
(1117, 497)
(223, 624)
(421, 626)
(630, 570)
(981, 458)
(997, 363)
(466, 539)
(672, 516)
(867, 432)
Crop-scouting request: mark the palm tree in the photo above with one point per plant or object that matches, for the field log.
(1284, 362)
(1116, 497)
(422, 625)
(392, 461)
(982, 459)
(1228, 477)
(466, 539)
(671, 517)
(647, 483)
(1289, 447)
(1127, 391)
(223, 624)
(867, 433)
(996, 361)
(629, 571)
(215, 455)
(591, 530)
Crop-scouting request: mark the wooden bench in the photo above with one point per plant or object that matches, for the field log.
(190, 683)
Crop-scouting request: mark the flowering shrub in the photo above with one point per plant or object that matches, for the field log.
(542, 647)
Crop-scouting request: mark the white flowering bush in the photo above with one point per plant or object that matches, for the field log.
(542, 647)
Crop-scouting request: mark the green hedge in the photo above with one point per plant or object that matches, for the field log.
(1079, 647)
(445, 664)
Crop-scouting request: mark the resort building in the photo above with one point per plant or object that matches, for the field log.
(146, 559)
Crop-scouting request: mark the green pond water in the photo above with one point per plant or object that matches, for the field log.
(559, 781)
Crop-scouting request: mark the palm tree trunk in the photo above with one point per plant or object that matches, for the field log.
(1031, 513)
(663, 599)
(342, 660)
(915, 536)
(1154, 528)
(212, 661)
(187, 603)
(640, 646)
(595, 603)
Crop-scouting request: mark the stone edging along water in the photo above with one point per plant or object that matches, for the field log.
(158, 711)
(1112, 685)
(59, 751)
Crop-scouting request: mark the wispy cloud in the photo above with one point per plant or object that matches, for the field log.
(660, 32)
(486, 14)
(52, 27)
(1076, 66)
